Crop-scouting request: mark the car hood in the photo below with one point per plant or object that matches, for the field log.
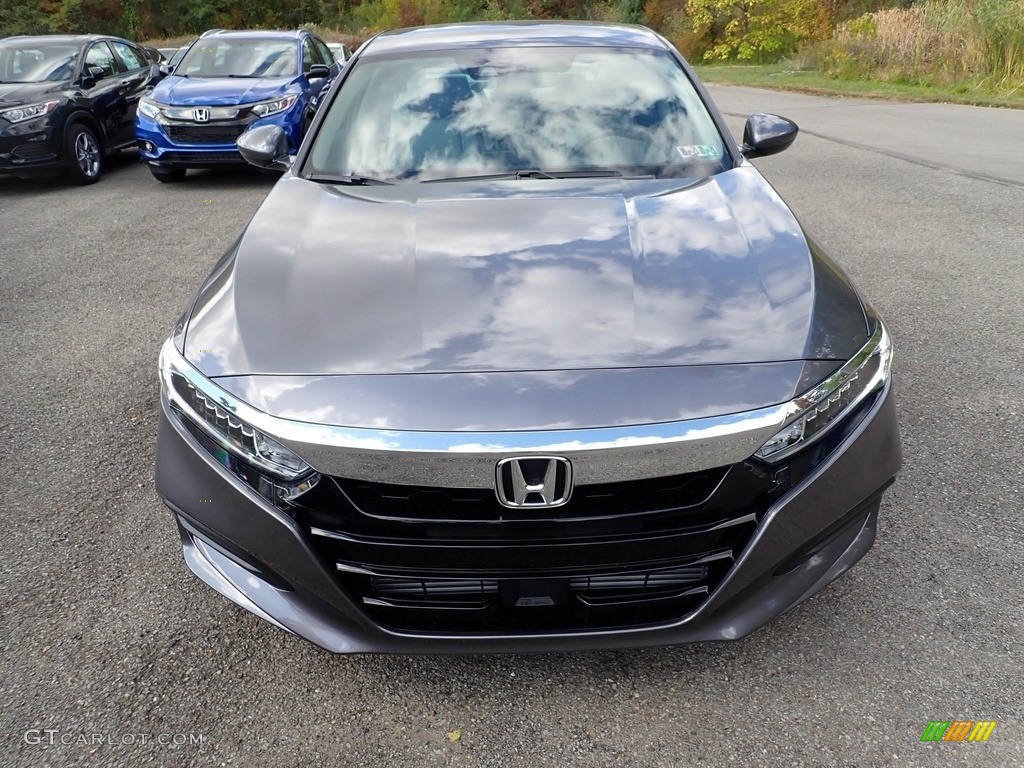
(521, 276)
(13, 94)
(218, 91)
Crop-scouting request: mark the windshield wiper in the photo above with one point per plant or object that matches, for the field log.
(606, 173)
(353, 178)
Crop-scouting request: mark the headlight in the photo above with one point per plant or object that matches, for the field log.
(20, 114)
(266, 465)
(816, 411)
(264, 108)
(149, 108)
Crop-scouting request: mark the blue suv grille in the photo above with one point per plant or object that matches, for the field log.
(204, 134)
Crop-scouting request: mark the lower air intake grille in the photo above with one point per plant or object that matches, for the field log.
(204, 134)
(431, 592)
(543, 602)
(33, 152)
(202, 158)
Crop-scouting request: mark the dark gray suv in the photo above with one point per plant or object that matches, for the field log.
(522, 353)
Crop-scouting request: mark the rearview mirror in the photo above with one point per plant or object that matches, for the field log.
(767, 135)
(265, 147)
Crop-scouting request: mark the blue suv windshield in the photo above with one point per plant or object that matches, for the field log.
(239, 57)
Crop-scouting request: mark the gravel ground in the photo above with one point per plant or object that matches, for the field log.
(104, 632)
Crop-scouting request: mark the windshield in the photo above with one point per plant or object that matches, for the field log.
(239, 57)
(177, 56)
(549, 110)
(31, 63)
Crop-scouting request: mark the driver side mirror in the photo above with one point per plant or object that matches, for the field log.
(318, 72)
(265, 147)
(767, 135)
(92, 76)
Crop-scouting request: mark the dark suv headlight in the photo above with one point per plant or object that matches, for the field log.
(28, 112)
(254, 457)
(813, 414)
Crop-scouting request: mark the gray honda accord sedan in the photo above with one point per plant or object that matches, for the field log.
(522, 353)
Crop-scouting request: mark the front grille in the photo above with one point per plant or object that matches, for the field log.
(444, 561)
(409, 502)
(205, 133)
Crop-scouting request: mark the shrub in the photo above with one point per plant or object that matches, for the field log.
(938, 41)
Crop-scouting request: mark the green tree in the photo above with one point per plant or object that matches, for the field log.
(23, 17)
(757, 30)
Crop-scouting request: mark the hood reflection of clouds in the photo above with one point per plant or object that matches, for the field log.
(513, 283)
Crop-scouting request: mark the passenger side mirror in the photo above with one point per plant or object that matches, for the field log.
(318, 71)
(166, 69)
(265, 147)
(767, 135)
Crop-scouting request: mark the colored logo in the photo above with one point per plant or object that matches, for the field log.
(958, 730)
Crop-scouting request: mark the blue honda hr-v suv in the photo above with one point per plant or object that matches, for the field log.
(227, 83)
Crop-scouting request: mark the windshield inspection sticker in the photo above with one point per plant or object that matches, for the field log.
(698, 152)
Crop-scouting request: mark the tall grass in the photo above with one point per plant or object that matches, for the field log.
(938, 41)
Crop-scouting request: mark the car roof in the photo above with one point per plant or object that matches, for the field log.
(269, 34)
(78, 39)
(514, 34)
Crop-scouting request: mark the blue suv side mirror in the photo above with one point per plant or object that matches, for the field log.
(318, 72)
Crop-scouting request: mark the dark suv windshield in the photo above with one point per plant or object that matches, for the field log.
(24, 62)
(550, 110)
(239, 57)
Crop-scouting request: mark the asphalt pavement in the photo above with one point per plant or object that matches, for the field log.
(113, 654)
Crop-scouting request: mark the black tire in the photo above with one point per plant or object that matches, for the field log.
(167, 174)
(84, 154)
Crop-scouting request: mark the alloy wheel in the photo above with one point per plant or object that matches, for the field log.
(87, 154)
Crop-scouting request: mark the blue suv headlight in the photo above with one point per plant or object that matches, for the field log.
(149, 108)
(264, 108)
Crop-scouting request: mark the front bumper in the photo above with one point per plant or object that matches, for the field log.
(31, 148)
(157, 147)
(261, 559)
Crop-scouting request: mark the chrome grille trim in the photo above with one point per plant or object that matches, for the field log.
(342, 536)
(468, 459)
(187, 114)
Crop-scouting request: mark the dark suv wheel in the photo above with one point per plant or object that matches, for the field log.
(84, 154)
(167, 175)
